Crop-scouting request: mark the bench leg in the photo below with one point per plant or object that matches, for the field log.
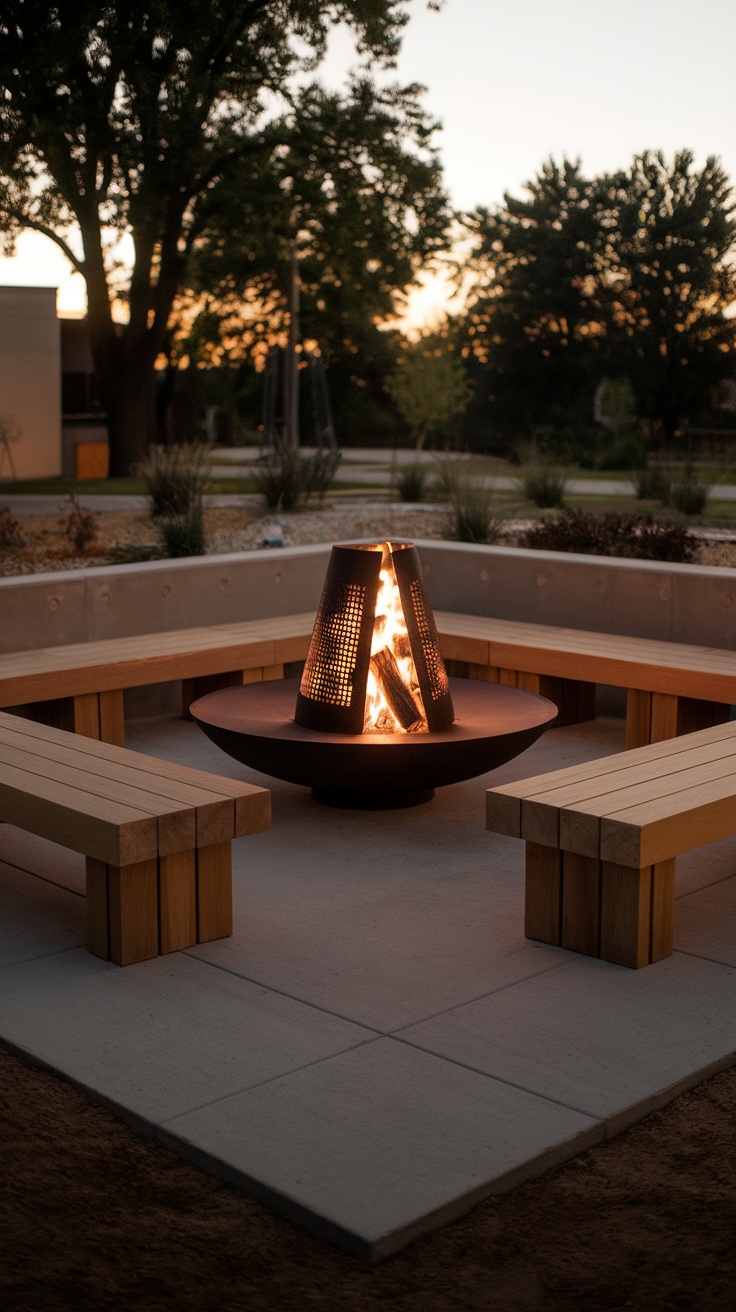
(599, 909)
(214, 892)
(93, 715)
(574, 699)
(122, 911)
(154, 907)
(653, 717)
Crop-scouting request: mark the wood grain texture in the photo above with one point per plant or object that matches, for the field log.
(542, 894)
(98, 927)
(112, 717)
(484, 673)
(84, 822)
(275, 671)
(253, 813)
(133, 894)
(503, 813)
(581, 904)
(663, 723)
(177, 901)
(625, 914)
(662, 915)
(540, 823)
(214, 892)
(87, 715)
(638, 718)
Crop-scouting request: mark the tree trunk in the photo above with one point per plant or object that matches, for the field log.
(128, 384)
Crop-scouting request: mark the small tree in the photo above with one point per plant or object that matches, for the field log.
(428, 386)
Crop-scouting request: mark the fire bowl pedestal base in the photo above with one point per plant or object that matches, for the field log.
(255, 725)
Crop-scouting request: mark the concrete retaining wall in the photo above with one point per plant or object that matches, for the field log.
(681, 603)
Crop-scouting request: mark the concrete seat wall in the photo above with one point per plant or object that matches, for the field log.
(677, 603)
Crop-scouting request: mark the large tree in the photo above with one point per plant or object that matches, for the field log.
(535, 317)
(128, 119)
(354, 186)
(627, 275)
(670, 233)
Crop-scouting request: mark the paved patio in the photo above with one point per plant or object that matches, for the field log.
(377, 1047)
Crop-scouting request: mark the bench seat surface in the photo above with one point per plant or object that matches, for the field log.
(634, 809)
(708, 673)
(146, 658)
(113, 804)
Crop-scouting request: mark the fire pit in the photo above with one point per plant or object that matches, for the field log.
(374, 721)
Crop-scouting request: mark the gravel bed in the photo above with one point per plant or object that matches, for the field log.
(232, 529)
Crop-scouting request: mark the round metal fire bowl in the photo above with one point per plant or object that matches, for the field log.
(255, 725)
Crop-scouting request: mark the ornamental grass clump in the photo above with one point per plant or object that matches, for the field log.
(286, 478)
(689, 493)
(175, 477)
(541, 482)
(411, 483)
(471, 517)
(637, 537)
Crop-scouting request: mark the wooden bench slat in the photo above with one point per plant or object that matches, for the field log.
(140, 659)
(639, 836)
(590, 795)
(619, 763)
(102, 828)
(176, 822)
(676, 668)
(188, 815)
(252, 802)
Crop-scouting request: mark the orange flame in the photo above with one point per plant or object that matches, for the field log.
(390, 632)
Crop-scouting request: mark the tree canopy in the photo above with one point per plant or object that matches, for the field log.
(627, 275)
(137, 119)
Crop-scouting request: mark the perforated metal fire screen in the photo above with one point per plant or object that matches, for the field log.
(348, 662)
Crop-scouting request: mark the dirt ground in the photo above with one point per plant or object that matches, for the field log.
(94, 1217)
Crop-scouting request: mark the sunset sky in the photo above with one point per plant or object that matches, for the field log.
(515, 83)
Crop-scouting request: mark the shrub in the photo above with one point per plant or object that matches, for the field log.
(183, 535)
(471, 508)
(411, 483)
(286, 477)
(11, 536)
(688, 493)
(653, 484)
(626, 451)
(634, 536)
(80, 526)
(541, 482)
(175, 477)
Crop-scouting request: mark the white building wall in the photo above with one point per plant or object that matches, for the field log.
(30, 381)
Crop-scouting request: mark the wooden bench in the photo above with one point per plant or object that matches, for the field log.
(157, 836)
(672, 688)
(602, 838)
(79, 687)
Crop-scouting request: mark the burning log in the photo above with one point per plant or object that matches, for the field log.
(398, 696)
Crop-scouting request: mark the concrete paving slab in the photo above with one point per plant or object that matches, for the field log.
(385, 918)
(704, 867)
(611, 1042)
(705, 922)
(37, 918)
(162, 1037)
(383, 1143)
(378, 1046)
(48, 860)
